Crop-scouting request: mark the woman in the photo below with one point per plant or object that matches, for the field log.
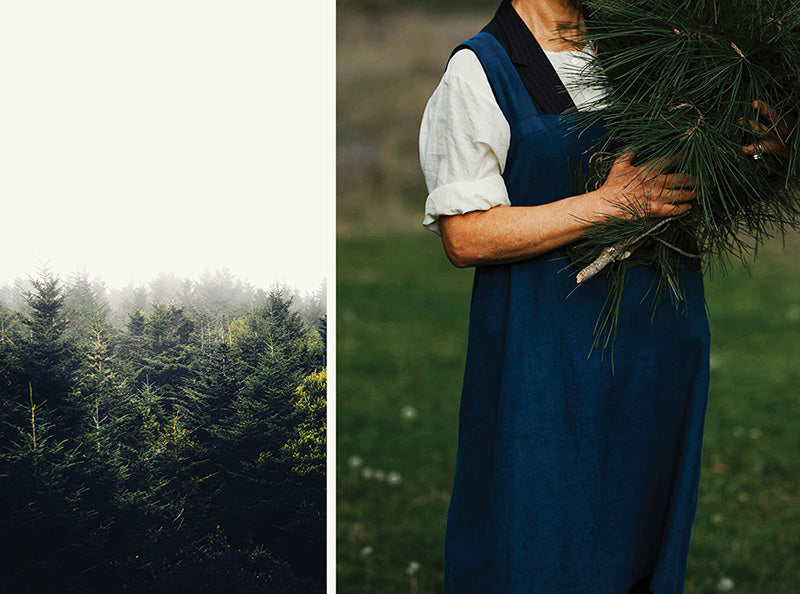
(571, 477)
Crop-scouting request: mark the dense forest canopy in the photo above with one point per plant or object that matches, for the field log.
(173, 441)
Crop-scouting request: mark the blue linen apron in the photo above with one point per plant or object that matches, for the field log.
(571, 478)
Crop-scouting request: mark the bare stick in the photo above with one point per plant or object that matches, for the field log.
(620, 250)
(606, 257)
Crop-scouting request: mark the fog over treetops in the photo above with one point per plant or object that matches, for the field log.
(218, 294)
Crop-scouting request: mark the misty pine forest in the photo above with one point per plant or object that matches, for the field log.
(167, 438)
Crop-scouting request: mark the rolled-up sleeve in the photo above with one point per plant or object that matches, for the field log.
(463, 143)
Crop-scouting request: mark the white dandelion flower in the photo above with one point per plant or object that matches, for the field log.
(367, 551)
(394, 478)
(380, 476)
(743, 497)
(725, 584)
(367, 473)
(355, 462)
(716, 519)
(408, 413)
(413, 568)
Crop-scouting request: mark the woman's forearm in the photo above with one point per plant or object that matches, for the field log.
(511, 233)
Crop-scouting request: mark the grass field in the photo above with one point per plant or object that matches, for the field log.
(402, 320)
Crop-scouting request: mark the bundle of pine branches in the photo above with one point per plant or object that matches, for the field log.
(688, 84)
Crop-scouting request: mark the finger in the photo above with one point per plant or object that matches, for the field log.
(752, 149)
(668, 182)
(765, 110)
(778, 124)
(652, 172)
(679, 208)
(665, 210)
(768, 145)
(664, 163)
(677, 180)
(784, 126)
(678, 196)
(753, 126)
(775, 130)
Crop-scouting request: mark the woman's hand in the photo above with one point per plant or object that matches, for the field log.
(773, 136)
(633, 191)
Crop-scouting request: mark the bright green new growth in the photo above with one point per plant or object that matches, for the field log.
(682, 78)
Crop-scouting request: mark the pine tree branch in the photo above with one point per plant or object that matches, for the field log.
(606, 257)
(620, 250)
(676, 248)
(715, 87)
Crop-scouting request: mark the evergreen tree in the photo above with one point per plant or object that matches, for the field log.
(84, 309)
(307, 449)
(322, 329)
(271, 345)
(47, 361)
(163, 340)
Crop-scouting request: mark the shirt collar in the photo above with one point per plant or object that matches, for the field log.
(522, 46)
(534, 68)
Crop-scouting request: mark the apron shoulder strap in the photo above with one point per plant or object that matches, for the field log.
(507, 86)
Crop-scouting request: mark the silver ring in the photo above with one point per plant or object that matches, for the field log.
(757, 156)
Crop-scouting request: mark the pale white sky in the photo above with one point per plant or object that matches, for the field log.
(169, 135)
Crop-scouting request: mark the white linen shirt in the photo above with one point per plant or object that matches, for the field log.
(464, 136)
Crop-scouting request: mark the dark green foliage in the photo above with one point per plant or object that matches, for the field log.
(167, 334)
(50, 524)
(56, 494)
(273, 345)
(682, 80)
(46, 361)
(161, 456)
(213, 564)
(307, 450)
(322, 329)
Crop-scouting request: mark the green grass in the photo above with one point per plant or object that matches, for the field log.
(401, 342)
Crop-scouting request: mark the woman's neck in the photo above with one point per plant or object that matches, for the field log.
(547, 18)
